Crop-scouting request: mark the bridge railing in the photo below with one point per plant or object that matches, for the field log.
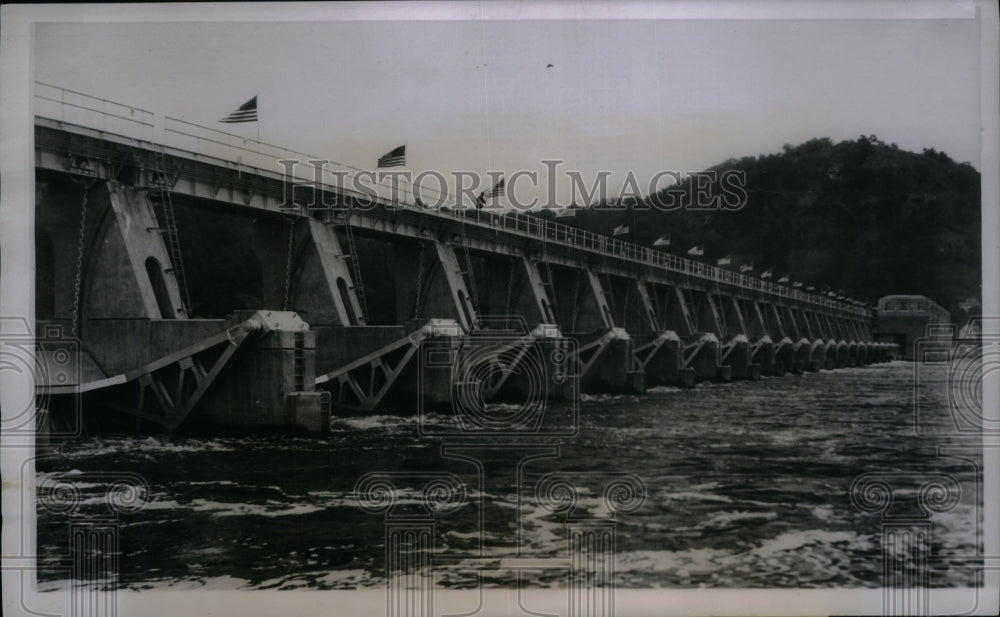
(74, 107)
(574, 237)
(294, 165)
(206, 141)
(77, 108)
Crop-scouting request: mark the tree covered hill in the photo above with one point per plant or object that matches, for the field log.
(860, 216)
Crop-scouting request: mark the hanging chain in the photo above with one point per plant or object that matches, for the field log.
(420, 284)
(288, 262)
(658, 309)
(628, 294)
(79, 258)
(576, 301)
(352, 247)
(510, 289)
(694, 304)
(469, 268)
(718, 310)
(550, 287)
(609, 297)
(721, 311)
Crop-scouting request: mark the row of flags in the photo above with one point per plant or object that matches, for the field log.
(699, 251)
(397, 158)
(727, 260)
(247, 112)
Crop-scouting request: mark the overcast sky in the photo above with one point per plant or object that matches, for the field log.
(625, 95)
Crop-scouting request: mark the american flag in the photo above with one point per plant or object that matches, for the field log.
(396, 158)
(697, 251)
(565, 212)
(766, 274)
(247, 112)
(783, 279)
(723, 261)
(497, 191)
(621, 230)
(746, 268)
(662, 241)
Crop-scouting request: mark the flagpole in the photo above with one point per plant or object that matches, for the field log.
(395, 186)
(633, 224)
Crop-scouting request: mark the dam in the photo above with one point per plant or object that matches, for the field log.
(185, 276)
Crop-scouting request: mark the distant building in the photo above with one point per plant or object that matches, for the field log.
(904, 320)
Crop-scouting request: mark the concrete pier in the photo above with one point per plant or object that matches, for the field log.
(606, 362)
(662, 357)
(843, 357)
(784, 356)
(702, 355)
(274, 384)
(764, 353)
(540, 365)
(738, 356)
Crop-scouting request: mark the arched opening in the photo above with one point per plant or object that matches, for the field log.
(345, 298)
(155, 273)
(45, 276)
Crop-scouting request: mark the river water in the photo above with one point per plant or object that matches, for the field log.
(746, 485)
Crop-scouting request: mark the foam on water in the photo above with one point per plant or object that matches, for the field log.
(697, 496)
(148, 447)
(723, 519)
(786, 555)
(665, 390)
(324, 579)
(368, 423)
(747, 485)
(269, 509)
(796, 540)
(604, 398)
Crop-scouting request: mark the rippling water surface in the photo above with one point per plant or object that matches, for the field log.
(747, 486)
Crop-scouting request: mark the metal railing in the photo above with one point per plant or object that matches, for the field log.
(128, 121)
(292, 164)
(74, 107)
(574, 237)
(924, 306)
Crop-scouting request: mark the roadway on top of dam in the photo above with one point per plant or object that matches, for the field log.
(204, 163)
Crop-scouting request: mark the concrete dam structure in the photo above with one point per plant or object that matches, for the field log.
(183, 280)
(904, 320)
